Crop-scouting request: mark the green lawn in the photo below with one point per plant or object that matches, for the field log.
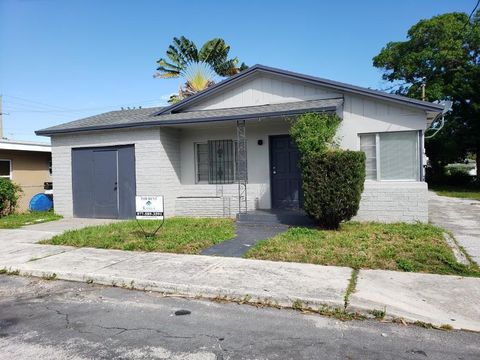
(178, 235)
(15, 221)
(401, 247)
(456, 191)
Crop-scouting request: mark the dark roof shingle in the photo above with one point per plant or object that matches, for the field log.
(147, 116)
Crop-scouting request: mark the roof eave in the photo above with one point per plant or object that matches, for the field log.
(160, 123)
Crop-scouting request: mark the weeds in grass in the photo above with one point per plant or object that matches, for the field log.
(340, 314)
(399, 247)
(49, 277)
(298, 305)
(352, 284)
(6, 271)
(178, 235)
(446, 327)
(15, 221)
(379, 314)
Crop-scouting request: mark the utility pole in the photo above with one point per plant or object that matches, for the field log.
(424, 84)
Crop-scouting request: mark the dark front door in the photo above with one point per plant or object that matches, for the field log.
(285, 175)
(103, 182)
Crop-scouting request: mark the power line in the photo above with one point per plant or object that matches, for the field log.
(473, 11)
(26, 108)
(35, 102)
(12, 103)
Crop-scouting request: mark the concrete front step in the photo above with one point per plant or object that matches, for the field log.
(278, 217)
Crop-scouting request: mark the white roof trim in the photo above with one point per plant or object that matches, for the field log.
(24, 147)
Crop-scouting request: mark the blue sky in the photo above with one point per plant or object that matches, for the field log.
(63, 60)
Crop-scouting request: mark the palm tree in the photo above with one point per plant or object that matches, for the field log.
(198, 68)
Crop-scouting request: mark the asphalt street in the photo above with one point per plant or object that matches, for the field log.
(42, 319)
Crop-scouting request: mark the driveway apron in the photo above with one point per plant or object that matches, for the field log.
(461, 217)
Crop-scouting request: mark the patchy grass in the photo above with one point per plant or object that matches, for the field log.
(352, 285)
(15, 221)
(178, 235)
(457, 191)
(400, 247)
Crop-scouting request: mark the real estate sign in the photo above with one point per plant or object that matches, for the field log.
(149, 207)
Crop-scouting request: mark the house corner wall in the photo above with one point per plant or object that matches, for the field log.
(394, 201)
(62, 176)
(168, 162)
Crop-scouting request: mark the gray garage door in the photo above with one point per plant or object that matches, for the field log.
(103, 182)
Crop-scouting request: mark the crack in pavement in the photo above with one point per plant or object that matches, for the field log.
(158, 331)
(33, 259)
(125, 329)
(67, 319)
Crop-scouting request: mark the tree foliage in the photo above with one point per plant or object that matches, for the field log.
(183, 58)
(443, 52)
(313, 133)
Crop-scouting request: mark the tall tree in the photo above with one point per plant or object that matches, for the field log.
(186, 61)
(443, 52)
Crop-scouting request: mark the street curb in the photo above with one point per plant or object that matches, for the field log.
(183, 290)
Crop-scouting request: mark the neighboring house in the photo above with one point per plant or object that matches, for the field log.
(26, 163)
(200, 152)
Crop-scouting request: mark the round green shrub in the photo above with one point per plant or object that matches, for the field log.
(314, 133)
(333, 185)
(332, 179)
(9, 195)
(458, 176)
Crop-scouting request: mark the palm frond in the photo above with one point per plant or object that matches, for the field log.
(162, 63)
(199, 68)
(199, 75)
(187, 48)
(176, 56)
(214, 51)
(227, 68)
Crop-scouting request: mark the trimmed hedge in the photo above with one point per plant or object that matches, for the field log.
(9, 195)
(333, 185)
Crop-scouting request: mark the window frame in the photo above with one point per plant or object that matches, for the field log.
(419, 153)
(195, 160)
(10, 176)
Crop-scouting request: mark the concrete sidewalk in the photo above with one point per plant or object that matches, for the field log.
(430, 298)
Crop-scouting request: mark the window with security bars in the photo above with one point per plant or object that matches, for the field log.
(392, 155)
(215, 161)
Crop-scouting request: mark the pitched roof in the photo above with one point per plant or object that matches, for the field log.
(178, 113)
(149, 116)
(424, 105)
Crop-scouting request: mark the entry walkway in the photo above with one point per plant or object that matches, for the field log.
(247, 235)
(461, 217)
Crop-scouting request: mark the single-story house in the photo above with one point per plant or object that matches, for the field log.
(227, 150)
(28, 164)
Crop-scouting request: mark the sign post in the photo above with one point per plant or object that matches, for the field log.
(149, 208)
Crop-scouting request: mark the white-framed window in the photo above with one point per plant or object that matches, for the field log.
(215, 161)
(392, 155)
(6, 168)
